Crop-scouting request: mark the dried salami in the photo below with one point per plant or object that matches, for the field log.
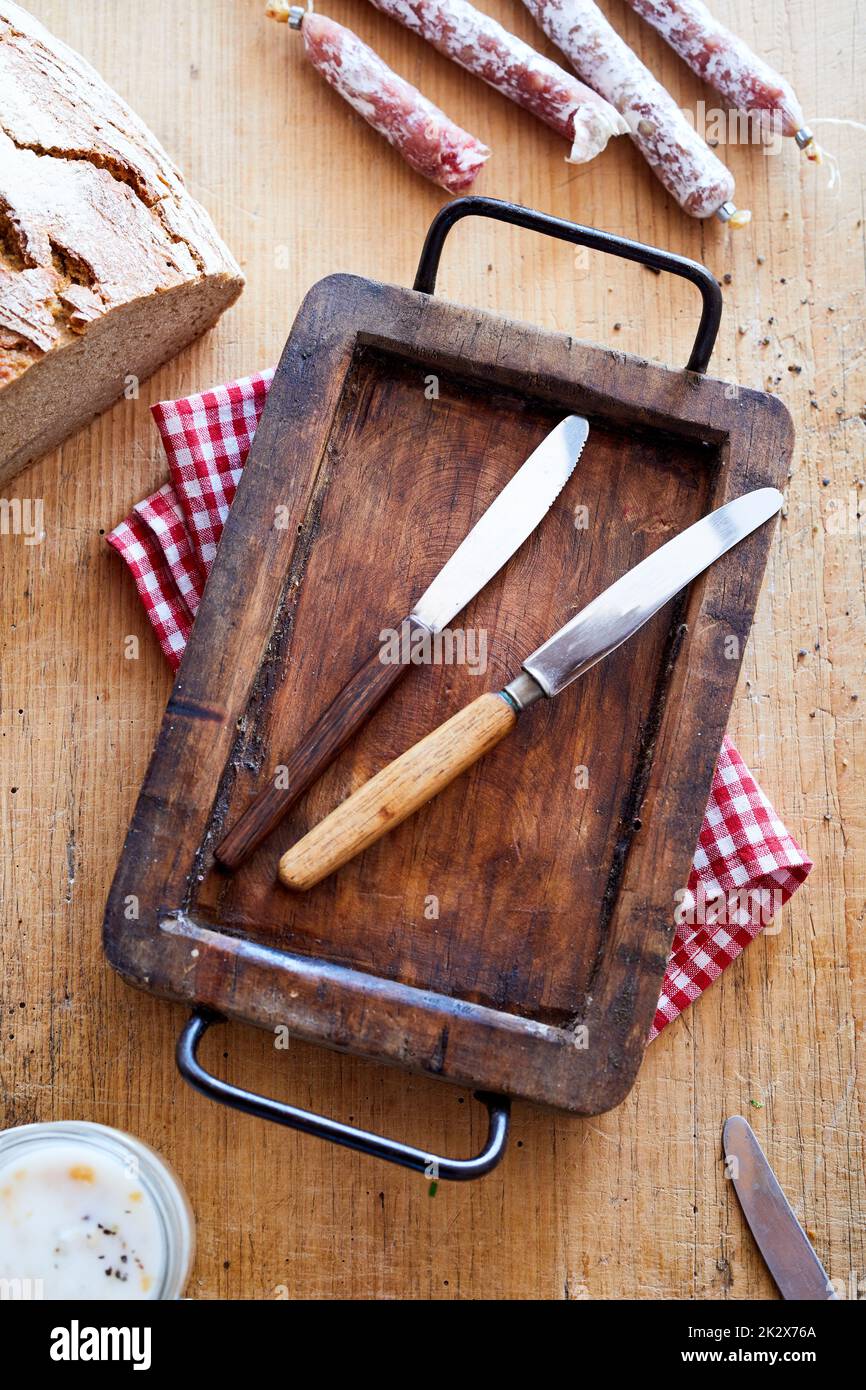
(725, 62)
(427, 139)
(673, 149)
(482, 46)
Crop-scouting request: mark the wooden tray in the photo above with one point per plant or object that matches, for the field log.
(513, 935)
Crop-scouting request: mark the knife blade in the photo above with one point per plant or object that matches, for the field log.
(610, 619)
(778, 1234)
(508, 522)
(423, 770)
(511, 517)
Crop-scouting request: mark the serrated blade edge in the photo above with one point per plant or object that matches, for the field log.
(511, 517)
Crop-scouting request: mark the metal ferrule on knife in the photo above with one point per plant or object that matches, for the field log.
(522, 692)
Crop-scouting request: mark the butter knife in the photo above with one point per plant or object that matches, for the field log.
(780, 1238)
(511, 517)
(422, 772)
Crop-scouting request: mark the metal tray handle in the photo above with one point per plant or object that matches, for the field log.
(711, 294)
(376, 1145)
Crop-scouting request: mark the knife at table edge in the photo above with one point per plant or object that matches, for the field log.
(511, 517)
(419, 774)
(778, 1234)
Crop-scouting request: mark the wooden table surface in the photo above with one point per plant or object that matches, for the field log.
(634, 1203)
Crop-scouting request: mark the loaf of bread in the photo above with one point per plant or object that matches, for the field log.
(107, 265)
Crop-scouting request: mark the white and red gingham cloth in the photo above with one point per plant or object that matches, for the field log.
(746, 865)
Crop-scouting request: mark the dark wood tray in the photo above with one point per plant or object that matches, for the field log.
(539, 976)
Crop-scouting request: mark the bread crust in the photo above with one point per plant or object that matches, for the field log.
(94, 217)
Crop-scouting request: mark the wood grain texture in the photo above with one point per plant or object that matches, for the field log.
(400, 789)
(349, 709)
(634, 1204)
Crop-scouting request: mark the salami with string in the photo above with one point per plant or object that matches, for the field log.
(482, 46)
(427, 139)
(725, 62)
(673, 149)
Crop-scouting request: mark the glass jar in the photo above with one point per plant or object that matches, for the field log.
(89, 1212)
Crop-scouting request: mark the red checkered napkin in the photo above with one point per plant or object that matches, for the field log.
(746, 865)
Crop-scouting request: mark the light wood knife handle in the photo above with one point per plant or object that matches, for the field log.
(397, 791)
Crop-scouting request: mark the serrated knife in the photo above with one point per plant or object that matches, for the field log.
(420, 773)
(511, 517)
(780, 1238)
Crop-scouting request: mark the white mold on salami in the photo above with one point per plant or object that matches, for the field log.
(482, 46)
(427, 139)
(726, 63)
(675, 152)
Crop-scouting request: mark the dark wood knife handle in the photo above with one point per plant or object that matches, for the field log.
(317, 750)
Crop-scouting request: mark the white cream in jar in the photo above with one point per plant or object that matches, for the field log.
(87, 1212)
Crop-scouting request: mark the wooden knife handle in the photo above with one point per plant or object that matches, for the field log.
(320, 745)
(398, 790)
